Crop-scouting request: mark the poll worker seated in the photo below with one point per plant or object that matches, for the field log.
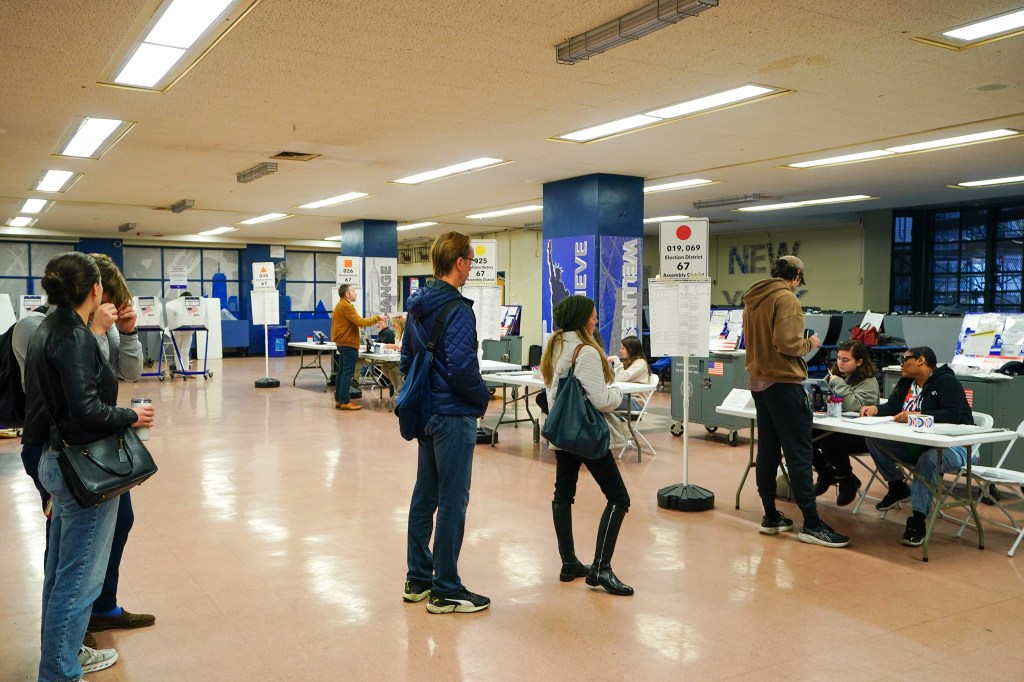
(854, 379)
(631, 366)
(391, 339)
(925, 389)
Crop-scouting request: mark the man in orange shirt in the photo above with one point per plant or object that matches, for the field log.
(345, 325)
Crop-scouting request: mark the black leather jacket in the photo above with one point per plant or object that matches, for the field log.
(78, 389)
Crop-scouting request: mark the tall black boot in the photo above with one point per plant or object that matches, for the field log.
(601, 570)
(572, 567)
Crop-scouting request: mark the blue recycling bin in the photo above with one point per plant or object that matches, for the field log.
(277, 341)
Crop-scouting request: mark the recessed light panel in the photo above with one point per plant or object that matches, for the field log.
(55, 181)
(801, 204)
(334, 201)
(266, 218)
(218, 230)
(93, 137)
(21, 221)
(994, 181)
(670, 186)
(33, 206)
(666, 218)
(507, 211)
(414, 226)
(455, 169)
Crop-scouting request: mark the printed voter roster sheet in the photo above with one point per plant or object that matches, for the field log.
(680, 316)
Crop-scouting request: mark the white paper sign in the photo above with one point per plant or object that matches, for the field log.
(147, 311)
(485, 263)
(487, 309)
(265, 309)
(28, 304)
(680, 317)
(178, 275)
(263, 276)
(349, 270)
(684, 248)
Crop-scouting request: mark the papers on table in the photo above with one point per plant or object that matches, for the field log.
(868, 420)
(740, 399)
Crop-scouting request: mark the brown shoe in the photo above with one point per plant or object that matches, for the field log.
(126, 621)
(348, 406)
(89, 641)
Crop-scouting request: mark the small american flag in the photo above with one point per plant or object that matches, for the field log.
(970, 397)
(716, 369)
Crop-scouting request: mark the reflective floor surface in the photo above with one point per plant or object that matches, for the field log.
(271, 546)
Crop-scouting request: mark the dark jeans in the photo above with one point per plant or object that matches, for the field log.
(784, 425)
(834, 451)
(443, 476)
(107, 601)
(604, 470)
(343, 380)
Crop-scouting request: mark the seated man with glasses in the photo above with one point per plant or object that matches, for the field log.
(923, 389)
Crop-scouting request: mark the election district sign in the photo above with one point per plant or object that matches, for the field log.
(263, 276)
(349, 270)
(485, 263)
(684, 249)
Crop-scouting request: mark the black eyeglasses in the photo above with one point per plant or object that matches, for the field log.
(904, 358)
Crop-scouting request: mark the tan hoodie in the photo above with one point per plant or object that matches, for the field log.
(773, 330)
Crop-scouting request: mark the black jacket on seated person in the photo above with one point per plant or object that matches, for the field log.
(386, 336)
(71, 391)
(944, 398)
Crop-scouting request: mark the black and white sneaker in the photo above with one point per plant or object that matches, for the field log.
(415, 592)
(822, 535)
(899, 492)
(913, 536)
(779, 524)
(462, 601)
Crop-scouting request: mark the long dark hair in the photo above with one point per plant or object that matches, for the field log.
(863, 371)
(634, 350)
(69, 277)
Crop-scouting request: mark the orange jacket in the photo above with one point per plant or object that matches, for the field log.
(345, 324)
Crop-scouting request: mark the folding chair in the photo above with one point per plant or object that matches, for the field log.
(995, 478)
(865, 461)
(644, 399)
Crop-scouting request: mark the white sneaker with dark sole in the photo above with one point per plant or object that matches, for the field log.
(462, 601)
(96, 659)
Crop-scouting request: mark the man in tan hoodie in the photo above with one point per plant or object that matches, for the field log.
(773, 328)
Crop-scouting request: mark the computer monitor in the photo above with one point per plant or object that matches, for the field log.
(510, 317)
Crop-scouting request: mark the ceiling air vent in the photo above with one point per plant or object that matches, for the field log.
(294, 156)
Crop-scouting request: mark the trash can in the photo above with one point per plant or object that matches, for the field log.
(277, 341)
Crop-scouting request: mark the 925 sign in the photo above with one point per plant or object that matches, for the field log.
(684, 249)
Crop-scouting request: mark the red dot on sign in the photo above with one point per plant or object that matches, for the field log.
(683, 232)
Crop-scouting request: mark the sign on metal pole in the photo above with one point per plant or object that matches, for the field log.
(684, 248)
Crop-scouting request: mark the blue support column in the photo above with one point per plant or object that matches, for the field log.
(593, 245)
(364, 239)
(253, 253)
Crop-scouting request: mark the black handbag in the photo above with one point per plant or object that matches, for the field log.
(574, 424)
(103, 469)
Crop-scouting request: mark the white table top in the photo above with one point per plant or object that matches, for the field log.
(385, 356)
(498, 366)
(309, 345)
(526, 378)
(888, 430)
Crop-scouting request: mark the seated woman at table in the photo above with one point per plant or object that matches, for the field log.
(392, 340)
(927, 389)
(854, 378)
(629, 366)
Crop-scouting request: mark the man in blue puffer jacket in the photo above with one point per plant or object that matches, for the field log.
(458, 397)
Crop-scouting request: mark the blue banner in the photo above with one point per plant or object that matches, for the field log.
(569, 268)
(620, 296)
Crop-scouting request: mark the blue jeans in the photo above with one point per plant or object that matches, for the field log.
(784, 425)
(346, 367)
(107, 601)
(885, 451)
(442, 485)
(79, 547)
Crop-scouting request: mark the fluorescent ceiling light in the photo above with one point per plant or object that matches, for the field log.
(720, 99)
(953, 141)
(413, 226)
(266, 218)
(846, 158)
(744, 93)
(666, 218)
(464, 167)
(333, 201)
(682, 184)
(21, 221)
(54, 181)
(610, 128)
(809, 202)
(90, 136)
(184, 21)
(507, 211)
(218, 230)
(148, 65)
(33, 206)
(985, 28)
(333, 238)
(994, 181)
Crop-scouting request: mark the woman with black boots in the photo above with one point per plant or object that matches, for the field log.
(576, 319)
(854, 378)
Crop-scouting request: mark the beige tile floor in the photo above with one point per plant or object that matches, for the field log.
(271, 546)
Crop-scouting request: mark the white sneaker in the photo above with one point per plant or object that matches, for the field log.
(96, 659)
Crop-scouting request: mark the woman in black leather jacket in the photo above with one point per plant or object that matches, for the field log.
(79, 393)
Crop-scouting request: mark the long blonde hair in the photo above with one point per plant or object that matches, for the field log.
(399, 325)
(547, 361)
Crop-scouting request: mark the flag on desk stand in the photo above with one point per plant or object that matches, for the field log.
(716, 369)
(970, 397)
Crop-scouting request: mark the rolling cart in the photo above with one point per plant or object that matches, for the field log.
(186, 373)
(159, 373)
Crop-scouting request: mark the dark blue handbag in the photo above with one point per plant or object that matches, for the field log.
(413, 405)
(574, 425)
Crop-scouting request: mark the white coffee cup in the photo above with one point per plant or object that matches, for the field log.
(142, 431)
